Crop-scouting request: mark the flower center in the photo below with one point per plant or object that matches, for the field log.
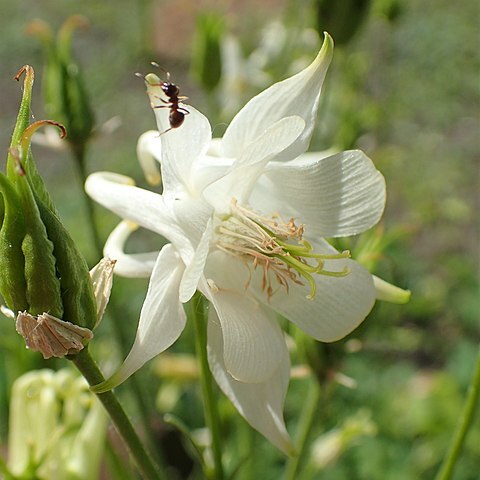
(275, 246)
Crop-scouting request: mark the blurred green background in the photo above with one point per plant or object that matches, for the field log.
(404, 87)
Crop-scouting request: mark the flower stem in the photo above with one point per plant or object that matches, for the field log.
(119, 329)
(464, 422)
(87, 367)
(198, 312)
(79, 157)
(305, 425)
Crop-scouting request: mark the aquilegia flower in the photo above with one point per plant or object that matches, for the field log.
(244, 217)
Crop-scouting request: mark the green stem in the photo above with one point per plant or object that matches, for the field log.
(122, 337)
(79, 157)
(87, 367)
(464, 422)
(5, 472)
(305, 424)
(198, 312)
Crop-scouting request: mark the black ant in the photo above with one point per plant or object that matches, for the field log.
(177, 113)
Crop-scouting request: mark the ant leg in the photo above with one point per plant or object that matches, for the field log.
(183, 110)
(165, 131)
(162, 100)
(181, 99)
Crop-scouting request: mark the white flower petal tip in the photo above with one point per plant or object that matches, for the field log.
(390, 293)
(149, 153)
(133, 265)
(109, 384)
(297, 95)
(261, 404)
(7, 312)
(162, 318)
(102, 279)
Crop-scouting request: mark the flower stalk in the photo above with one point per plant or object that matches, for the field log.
(309, 414)
(143, 459)
(464, 422)
(198, 312)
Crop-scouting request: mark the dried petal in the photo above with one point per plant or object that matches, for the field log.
(51, 336)
(102, 279)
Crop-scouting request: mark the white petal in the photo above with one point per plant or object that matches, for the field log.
(193, 272)
(149, 153)
(261, 404)
(180, 146)
(245, 171)
(339, 306)
(135, 265)
(147, 209)
(162, 319)
(340, 195)
(254, 343)
(297, 95)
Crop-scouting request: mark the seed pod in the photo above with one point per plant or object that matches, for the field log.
(43, 277)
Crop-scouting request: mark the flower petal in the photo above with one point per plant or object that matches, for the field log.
(248, 167)
(334, 196)
(149, 152)
(339, 306)
(253, 341)
(147, 209)
(181, 146)
(193, 272)
(162, 319)
(297, 95)
(261, 404)
(135, 265)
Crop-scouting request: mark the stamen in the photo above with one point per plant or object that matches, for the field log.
(277, 247)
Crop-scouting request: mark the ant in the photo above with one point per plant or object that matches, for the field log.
(177, 113)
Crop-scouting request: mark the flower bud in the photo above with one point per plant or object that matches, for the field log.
(64, 90)
(42, 274)
(57, 427)
(342, 19)
(206, 57)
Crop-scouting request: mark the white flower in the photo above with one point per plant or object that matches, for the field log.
(245, 219)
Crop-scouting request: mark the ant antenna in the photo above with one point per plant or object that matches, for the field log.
(156, 65)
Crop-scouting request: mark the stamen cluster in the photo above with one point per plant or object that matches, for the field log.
(275, 246)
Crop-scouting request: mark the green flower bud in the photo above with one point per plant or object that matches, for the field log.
(342, 18)
(57, 427)
(64, 90)
(43, 277)
(206, 57)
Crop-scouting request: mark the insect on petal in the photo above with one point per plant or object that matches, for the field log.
(51, 336)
